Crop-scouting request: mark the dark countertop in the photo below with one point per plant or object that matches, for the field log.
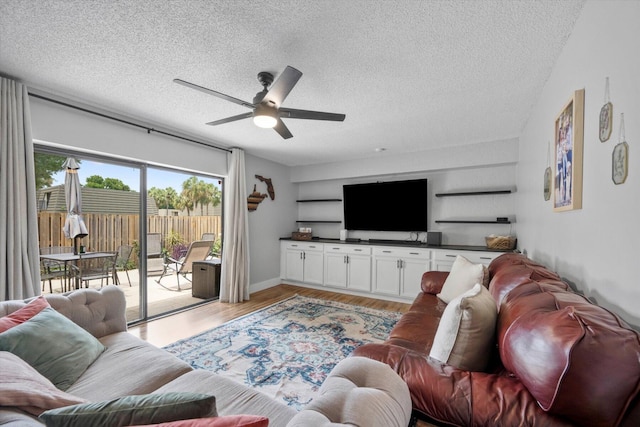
(399, 243)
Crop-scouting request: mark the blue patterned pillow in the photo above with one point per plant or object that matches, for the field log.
(55, 346)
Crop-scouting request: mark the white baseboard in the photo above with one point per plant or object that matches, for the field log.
(260, 286)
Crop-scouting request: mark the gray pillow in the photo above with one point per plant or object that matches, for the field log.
(133, 410)
(55, 346)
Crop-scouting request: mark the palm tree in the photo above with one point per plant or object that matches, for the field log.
(198, 192)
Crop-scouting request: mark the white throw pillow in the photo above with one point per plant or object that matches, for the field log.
(465, 335)
(463, 275)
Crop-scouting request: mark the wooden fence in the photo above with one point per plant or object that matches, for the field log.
(108, 231)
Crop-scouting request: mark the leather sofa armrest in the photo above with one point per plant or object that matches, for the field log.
(432, 281)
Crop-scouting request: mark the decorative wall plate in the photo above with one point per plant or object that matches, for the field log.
(606, 119)
(620, 163)
(547, 183)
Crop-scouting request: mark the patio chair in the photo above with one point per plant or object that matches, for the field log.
(155, 263)
(122, 261)
(87, 269)
(50, 269)
(197, 251)
(212, 238)
(154, 245)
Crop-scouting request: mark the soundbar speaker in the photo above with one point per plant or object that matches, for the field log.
(434, 238)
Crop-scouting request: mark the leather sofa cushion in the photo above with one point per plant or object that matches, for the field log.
(577, 359)
(417, 327)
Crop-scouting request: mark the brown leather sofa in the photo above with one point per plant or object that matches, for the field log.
(559, 359)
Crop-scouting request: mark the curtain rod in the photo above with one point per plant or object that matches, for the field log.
(106, 116)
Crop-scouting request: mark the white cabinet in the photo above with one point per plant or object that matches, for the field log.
(303, 262)
(347, 266)
(380, 271)
(398, 271)
(443, 259)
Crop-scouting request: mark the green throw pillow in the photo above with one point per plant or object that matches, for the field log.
(55, 346)
(133, 410)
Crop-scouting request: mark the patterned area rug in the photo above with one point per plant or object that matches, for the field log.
(286, 350)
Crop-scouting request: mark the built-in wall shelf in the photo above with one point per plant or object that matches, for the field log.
(470, 221)
(473, 193)
(322, 221)
(319, 221)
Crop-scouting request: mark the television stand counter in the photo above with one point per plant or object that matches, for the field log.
(385, 269)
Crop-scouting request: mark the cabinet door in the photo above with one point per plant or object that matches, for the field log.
(411, 276)
(294, 265)
(313, 263)
(386, 275)
(335, 270)
(359, 272)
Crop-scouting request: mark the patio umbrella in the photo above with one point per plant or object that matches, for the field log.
(74, 227)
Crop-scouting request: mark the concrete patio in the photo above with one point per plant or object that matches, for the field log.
(160, 299)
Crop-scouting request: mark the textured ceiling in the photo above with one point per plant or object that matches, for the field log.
(409, 75)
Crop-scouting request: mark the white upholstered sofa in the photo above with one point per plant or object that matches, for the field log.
(360, 391)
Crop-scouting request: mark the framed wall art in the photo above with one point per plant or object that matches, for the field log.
(569, 140)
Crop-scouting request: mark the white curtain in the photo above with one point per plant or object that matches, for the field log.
(234, 278)
(19, 253)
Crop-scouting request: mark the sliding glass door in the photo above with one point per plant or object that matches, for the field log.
(187, 211)
(148, 216)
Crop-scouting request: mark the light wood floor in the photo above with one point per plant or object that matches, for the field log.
(164, 331)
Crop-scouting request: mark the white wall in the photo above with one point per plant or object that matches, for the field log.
(595, 248)
(270, 221)
(55, 124)
(489, 153)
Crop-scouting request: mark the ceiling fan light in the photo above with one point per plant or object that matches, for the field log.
(264, 116)
(264, 121)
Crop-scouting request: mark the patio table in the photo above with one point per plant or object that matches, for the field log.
(70, 257)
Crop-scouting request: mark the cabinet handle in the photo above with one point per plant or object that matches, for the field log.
(335, 249)
(386, 252)
(414, 253)
(312, 247)
(485, 257)
(357, 250)
(304, 255)
(294, 246)
(451, 256)
(398, 264)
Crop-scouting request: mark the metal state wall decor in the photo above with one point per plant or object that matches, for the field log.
(255, 198)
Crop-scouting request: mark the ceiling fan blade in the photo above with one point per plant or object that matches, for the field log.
(291, 113)
(214, 93)
(282, 130)
(282, 86)
(231, 119)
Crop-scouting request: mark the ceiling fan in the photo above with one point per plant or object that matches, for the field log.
(267, 111)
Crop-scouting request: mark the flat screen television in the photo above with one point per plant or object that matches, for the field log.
(386, 206)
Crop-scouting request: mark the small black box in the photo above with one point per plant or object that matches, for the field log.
(434, 238)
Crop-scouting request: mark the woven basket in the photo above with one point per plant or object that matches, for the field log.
(296, 235)
(501, 242)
